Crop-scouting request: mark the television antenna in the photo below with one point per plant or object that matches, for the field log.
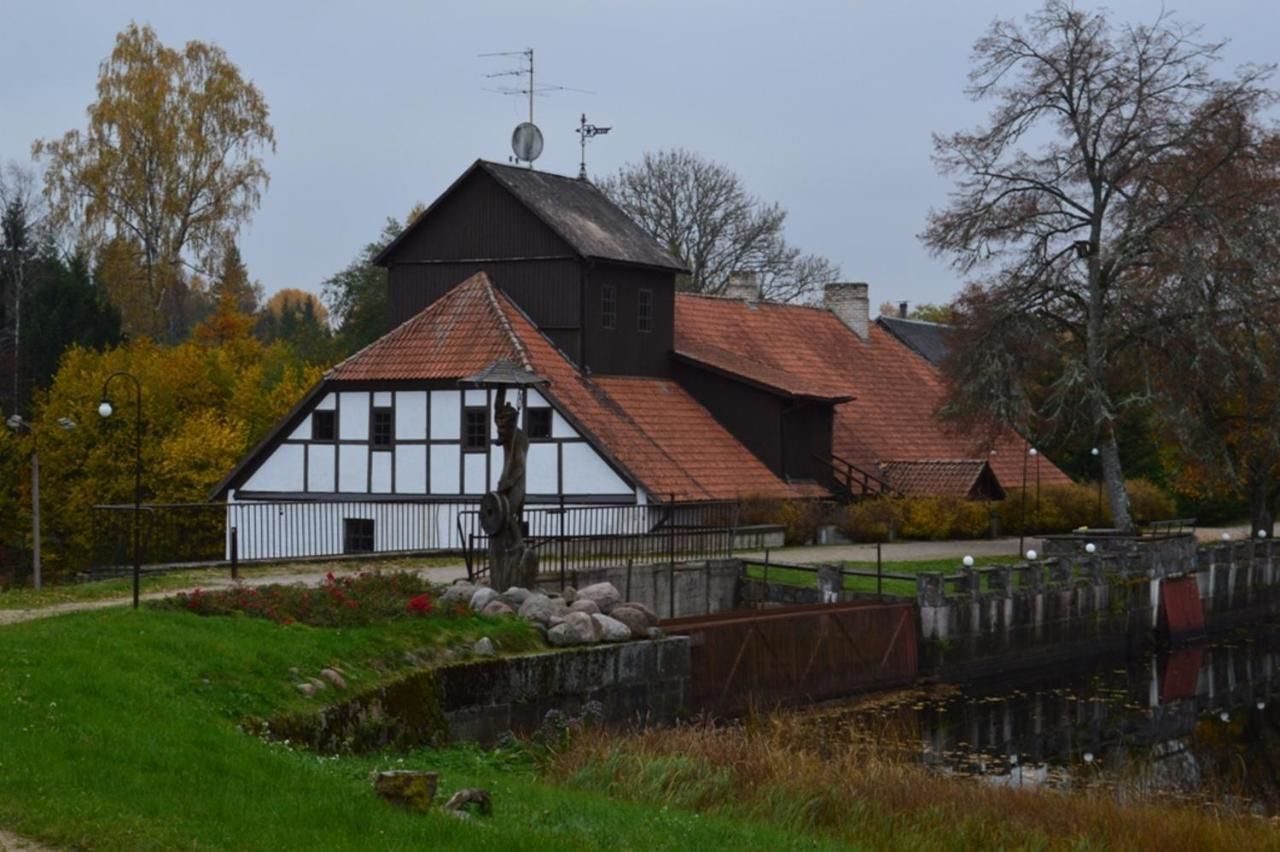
(526, 140)
(587, 131)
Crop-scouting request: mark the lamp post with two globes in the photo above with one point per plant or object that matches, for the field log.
(105, 410)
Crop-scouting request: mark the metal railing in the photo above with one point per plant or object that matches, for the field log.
(854, 481)
(568, 537)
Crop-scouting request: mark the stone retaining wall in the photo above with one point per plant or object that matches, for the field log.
(701, 588)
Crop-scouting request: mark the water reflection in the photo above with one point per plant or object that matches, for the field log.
(1198, 723)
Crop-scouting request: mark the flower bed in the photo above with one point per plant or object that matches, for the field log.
(347, 601)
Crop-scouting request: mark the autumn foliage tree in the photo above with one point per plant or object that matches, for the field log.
(1060, 202)
(166, 171)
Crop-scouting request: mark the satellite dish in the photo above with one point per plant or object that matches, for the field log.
(526, 141)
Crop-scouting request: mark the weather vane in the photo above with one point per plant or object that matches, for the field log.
(587, 131)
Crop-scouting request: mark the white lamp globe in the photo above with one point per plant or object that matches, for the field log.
(1226, 536)
(1033, 451)
(105, 409)
(1262, 533)
(1031, 554)
(968, 561)
(1090, 547)
(1094, 451)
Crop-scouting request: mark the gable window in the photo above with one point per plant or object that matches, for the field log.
(324, 426)
(538, 422)
(475, 428)
(644, 311)
(357, 535)
(382, 427)
(608, 307)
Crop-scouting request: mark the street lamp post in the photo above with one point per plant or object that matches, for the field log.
(1022, 514)
(1035, 454)
(18, 424)
(105, 410)
(1097, 458)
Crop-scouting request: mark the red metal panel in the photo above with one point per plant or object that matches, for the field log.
(1181, 613)
(1179, 673)
(795, 654)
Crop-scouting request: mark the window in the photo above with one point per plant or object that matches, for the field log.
(323, 426)
(608, 307)
(538, 421)
(644, 311)
(357, 535)
(382, 427)
(475, 428)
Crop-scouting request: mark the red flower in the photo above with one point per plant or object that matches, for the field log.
(420, 604)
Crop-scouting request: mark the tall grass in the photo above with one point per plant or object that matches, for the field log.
(865, 788)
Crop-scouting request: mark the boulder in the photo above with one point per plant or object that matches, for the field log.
(570, 595)
(459, 593)
(497, 607)
(516, 596)
(305, 688)
(605, 595)
(649, 614)
(461, 800)
(562, 636)
(635, 619)
(334, 678)
(656, 633)
(409, 788)
(484, 647)
(584, 605)
(584, 625)
(611, 630)
(537, 607)
(481, 598)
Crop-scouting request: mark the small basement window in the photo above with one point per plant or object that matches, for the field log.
(475, 428)
(324, 426)
(357, 535)
(644, 310)
(382, 427)
(538, 421)
(608, 307)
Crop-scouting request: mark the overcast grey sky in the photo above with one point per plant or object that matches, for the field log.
(826, 108)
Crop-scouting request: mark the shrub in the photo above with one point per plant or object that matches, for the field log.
(1147, 502)
(872, 520)
(364, 598)
(799, 518)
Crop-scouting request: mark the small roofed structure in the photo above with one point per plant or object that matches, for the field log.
(968, 478)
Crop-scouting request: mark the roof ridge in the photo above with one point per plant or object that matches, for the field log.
(507, 329)
(767, 303)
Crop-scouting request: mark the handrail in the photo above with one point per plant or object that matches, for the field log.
(865, 480)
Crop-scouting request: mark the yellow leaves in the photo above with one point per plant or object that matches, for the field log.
(169, 163)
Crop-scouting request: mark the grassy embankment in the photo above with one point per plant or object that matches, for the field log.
(122, 732)
(896, 588)
(169, 581)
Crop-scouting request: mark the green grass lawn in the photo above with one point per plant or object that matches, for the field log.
(891, 587)
(122, 732)
(122, 587)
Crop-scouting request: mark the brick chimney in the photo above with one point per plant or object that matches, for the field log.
(849, 302)
(742, 285)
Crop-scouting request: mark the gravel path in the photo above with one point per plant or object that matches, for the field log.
(10, 842)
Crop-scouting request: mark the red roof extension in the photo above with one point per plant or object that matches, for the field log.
(651, 427)
(896, 392)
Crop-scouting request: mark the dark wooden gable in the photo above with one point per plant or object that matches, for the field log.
(476, 219)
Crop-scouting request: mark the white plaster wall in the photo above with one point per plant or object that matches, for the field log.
(411, 469)
(353, 415)
(353, 467)
(560, 427)
(473, 471)
(327, 402)
(382, 399)
(303, 432)
(282, 471)
(586, 473)
(477, 397)
(320, 467)
(533, 399)
(540, 469)
(411, 415)
(496, 457)
(381, 473)
(446, 415)
(444, 468)
(299, 530)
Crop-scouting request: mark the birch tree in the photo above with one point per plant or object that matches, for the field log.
(169, 166)
(1060, 200)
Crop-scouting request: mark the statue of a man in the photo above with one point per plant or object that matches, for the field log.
(511, 562)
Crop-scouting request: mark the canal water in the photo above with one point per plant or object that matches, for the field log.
(1200, 723)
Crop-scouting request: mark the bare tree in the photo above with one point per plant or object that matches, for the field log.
(700, 212)
(1060, 200)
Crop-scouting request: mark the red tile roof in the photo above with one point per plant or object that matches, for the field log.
(946, 477)
(652, 428)
(896, 392)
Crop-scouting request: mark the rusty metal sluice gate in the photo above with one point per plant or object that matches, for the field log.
(797, 654)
